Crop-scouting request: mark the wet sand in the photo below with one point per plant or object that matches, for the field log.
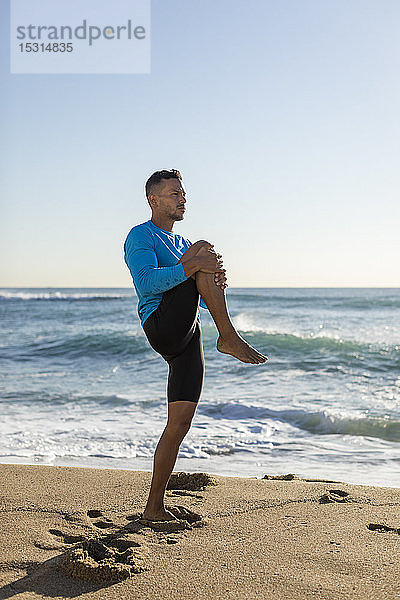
(68, 532)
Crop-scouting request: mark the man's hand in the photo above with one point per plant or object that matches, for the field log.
(210, 261)
(219, 276)
(220, 279)
(206, 260)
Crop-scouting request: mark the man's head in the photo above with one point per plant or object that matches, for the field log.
(166, 195)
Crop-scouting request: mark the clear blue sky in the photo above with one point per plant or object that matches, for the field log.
(283, 118)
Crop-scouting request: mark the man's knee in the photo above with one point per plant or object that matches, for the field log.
(178, 428)
(200, 243)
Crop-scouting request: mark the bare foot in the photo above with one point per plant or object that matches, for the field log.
(164, 515)
(236, 346)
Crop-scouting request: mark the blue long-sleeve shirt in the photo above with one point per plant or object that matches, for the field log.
(151, 255)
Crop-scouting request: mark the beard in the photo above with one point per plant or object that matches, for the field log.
(177, 216)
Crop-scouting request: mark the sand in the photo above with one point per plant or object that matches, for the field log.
(71, 532)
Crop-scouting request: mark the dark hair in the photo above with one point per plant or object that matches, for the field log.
(158, 176)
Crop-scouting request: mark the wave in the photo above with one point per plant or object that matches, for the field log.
(311, 343)
(366, 304)
(309, 352)
(61, 399)
(318, 422)
(321, 349)
(327, 300)
(91, 345)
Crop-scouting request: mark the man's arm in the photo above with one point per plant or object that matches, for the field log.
(189, 264)
(141, 259)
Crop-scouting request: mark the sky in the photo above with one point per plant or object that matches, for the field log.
(283, 118)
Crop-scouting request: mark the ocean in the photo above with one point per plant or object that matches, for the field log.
(81, 386)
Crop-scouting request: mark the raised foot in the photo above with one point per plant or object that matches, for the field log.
(238, 347)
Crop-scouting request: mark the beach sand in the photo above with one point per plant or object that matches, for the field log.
(234, 537)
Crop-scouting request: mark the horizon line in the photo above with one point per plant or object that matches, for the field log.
(362, 287)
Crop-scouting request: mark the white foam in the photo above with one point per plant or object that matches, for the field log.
(6, 295)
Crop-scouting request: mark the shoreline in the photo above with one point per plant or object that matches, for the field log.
(210, 466)
(254, 537)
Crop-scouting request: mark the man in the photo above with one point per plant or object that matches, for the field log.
(171, 277)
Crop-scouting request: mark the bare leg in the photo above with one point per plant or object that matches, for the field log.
(229, 341)
(180, 414)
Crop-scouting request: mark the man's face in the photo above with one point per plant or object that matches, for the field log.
(170, 199)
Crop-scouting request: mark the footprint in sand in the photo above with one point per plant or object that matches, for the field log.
(62, 538)
(117, 556)
(104, 523)
(67, 538)
(335, 496)
(383, 528)
(104, 560)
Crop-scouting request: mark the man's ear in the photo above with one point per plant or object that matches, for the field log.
(152, 200)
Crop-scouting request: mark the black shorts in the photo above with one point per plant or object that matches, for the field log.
(174, 332)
